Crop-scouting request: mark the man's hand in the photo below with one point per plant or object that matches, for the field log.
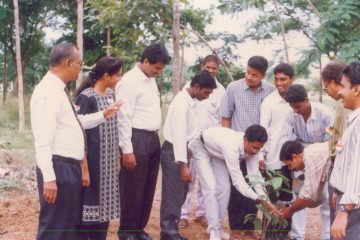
(286, 212)
(50, 191)
(112, 110)
(185, 173)
(262, 166)
(338, 228)
(129, 162)
(270, 208)
(333, 200)
(85, 176)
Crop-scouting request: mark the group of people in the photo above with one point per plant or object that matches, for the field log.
(99, 153)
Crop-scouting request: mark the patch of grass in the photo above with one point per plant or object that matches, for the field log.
(10, 137)
(12, 185)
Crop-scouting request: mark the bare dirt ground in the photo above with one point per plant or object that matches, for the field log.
(19, 212)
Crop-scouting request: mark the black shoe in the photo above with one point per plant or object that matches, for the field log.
(143, 236)
(165, 236)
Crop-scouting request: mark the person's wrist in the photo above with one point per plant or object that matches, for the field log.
(343, 209)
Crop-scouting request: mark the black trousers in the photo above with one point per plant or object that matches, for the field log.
(93, 231)
(173, 192)
(137, 188)
(58, 221)
(240, 206)
(276, 231)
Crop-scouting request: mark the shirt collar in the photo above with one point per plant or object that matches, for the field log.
(56, 81)
(247, 88)
(141, 73)
(351, 117)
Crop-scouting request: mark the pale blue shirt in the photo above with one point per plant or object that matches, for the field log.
(242, 105)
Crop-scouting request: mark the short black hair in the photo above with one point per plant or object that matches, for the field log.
(210, 58)
(256, 133)
(204, 79)
(61, 52)
(333, 71)
(296, 93)
(289, 148)
(352, 72)
(259, 63)
(285, 69)
(154, 53)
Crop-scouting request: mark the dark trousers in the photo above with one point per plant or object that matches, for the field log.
(240, 206)
(331, 191)
(173, 193)
(137, 188)
(58, 221)
(276, 231)
(93, 231)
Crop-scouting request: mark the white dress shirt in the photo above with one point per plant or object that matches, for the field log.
(141, 106)
(314, 130)
(207, 110)
(54, 125)
(273, 110)
(181, 124)
(315, 159)
(227, 144)
(345, 176)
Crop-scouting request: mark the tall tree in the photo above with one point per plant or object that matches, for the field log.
(19, 68)
(79, 38)
(176, 81)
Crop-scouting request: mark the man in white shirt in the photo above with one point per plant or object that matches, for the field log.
(207, 117)
(274, 108)
(308, 123)
(222, 151)
(180, 127)
(313, 161)
(59, 146)
(139, 122)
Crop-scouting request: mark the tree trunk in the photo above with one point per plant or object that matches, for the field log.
(228, 73)
(19, 69)
(176, 42)
(282, 31)
(321, 86)
(5, 78)
(79, 38)
(108, 41)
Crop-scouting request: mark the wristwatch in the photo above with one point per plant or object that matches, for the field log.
(342, 208)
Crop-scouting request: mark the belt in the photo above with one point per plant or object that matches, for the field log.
(66, 159)
(144, 131)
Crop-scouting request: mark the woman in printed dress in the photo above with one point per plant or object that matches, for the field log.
(101, 199)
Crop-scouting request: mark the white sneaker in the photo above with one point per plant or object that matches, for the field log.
(214, 235)
(224, 235)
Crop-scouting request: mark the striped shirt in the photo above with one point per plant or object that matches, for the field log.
(345, 176)
(242, 105)
(315, 159)
(314, 130)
